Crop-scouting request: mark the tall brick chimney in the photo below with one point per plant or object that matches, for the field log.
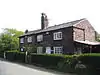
(44, 21)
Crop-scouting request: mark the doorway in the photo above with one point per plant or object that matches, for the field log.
(48, 50)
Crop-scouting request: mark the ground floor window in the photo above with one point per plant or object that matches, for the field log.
(39, 50)
(58, 50)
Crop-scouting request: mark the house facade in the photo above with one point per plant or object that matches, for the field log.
(58, 39)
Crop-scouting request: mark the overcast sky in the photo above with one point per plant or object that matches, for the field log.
(26, 14)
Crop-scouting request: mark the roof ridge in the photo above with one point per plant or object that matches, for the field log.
(62, 25)
(67, 22)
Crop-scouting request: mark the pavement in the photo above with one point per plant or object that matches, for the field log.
(15, 68)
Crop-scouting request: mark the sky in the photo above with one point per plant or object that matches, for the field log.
(26, 14)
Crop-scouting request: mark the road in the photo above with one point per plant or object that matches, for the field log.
(9, 68)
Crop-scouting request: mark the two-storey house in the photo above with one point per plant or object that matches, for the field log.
(66, 38)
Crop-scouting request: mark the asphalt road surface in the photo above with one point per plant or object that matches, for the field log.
(9, 68)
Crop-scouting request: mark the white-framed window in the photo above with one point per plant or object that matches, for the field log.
(58, 50)
(39, 38)
(39, 50)
(57, 35)
(29, 39)
(21, 40)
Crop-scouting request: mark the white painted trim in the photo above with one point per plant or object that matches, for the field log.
(39, 38)
(57, 47)
(55, 37)
(39, 50)
(29, 39)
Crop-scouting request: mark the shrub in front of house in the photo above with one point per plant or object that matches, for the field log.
(63, 63)
(45, 60)
(20, 56)
(91, 61)
(68, 64)
(1, 54)
(15, 56)
(10, 55)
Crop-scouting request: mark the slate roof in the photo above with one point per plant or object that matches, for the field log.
(55, 27)
(88, 42)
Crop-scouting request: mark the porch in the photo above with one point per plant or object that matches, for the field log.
(86, 47)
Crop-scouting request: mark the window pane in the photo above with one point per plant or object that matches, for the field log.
(39, 50)
(58, 50)
(29, 39)
(22, 40)
(40, 38)
(60, 35)
(57, 35)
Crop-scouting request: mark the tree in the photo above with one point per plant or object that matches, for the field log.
(9, 39)
(98, 37)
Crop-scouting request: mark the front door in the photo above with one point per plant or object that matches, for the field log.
(79, 51)
(48, 50)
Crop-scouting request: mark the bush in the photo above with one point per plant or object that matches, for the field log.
(65, 63)
(58, 62)
(91, 60)
(45, 60)
(20, 56)
(10, 56)
(1, 54)
(15, 56)
(68, 64)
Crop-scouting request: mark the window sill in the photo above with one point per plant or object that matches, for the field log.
(58, 39)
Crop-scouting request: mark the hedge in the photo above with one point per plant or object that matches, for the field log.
(92, 60)
(65, 63)
(1, 54)
(15, 56)
(59, 62)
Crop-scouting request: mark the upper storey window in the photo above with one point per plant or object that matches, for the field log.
(21, 40)
(39, 38)
(57, 35)
(29, 39)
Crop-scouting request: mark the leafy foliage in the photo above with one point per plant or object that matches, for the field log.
(97, 37)
(64, 63)
(9, 39)
(15, 55)
(92, 60)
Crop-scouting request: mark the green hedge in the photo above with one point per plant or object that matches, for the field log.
(46, 60)
(59, 62)
(91, 60)
(10, 56)
(15, 56)
(1, 54)
(65, 63)
(20, 56)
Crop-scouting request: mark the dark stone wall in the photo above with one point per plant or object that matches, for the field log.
(48, 41)
(66, 42)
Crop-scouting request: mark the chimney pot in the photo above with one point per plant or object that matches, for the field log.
(44, 21)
